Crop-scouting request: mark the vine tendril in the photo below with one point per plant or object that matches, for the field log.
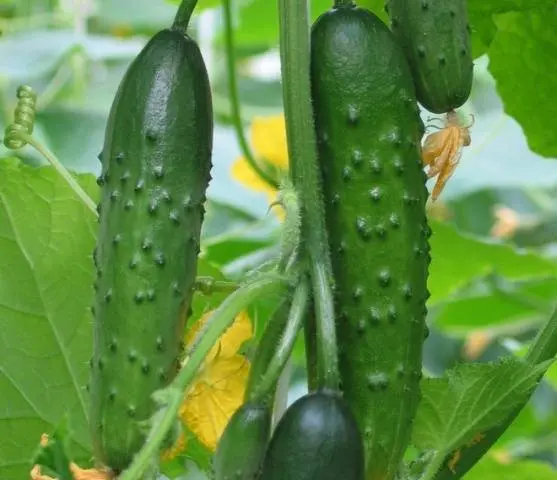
(24, 118)
(20, 133)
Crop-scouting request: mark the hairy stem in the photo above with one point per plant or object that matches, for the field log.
(234, 97)
(300, 133)
(283, 349)
(220, 320)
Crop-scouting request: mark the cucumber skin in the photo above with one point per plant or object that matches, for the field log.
(368, 131)
(242, 446)
(156, 164)
(317, 438)
(435, 37)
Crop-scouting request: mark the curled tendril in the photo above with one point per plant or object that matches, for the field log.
(24, 118)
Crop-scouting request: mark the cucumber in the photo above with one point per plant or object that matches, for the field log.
(369, 131)
(317, 438)
(435, 37)
(156, 164)
(241, 449)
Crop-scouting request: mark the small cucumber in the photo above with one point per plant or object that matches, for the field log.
(156, 165)
(369, 131)
(317, 438)
(241, 449)
(435, 37)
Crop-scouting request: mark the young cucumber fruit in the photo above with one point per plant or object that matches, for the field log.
(369, 132)
(156, 165)
(241, 448)
(435, 37)
(317, 438)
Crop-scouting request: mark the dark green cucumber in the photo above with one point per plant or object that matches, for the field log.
(317, 438)
(156, 165)
(435, 37)
(241, 448)
(369, 131)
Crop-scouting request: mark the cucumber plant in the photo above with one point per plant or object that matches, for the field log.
(368, 133)
(156, 163)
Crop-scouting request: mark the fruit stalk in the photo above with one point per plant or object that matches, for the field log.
(294, 50)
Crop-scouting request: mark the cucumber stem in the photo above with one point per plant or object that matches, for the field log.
(208, 285)
(183, 15)
(234, 97)
(266, 384)
(344, 3)
(218, 323)
(300, 134)
(543, 348)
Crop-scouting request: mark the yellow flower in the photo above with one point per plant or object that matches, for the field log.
(268, 138)
(218, 390)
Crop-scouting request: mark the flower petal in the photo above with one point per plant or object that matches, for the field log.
(214, 399)
(268, 136)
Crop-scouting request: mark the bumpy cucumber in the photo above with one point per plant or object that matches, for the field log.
(156, 165)
(435, 36)
(369, 132)
(317, 438)
(241, 449)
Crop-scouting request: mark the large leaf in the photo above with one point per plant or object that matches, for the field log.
(459, 258)
(489, 469)
(522, 60)
(46, 277)
(470, 399)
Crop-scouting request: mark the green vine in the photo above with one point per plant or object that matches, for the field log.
(183, 15)
(235, 100)
(300, 133)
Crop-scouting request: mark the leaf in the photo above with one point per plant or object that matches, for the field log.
(489, 469)
(46, 278)
(522, 60)
(470, 399)
(523, 303)
(448, 271)
(502, 6)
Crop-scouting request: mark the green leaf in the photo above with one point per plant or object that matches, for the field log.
(470, 399)
(522, 303)
(458, 258)
(489, 469)
(46, 278)
(503, 6)
(522, 61)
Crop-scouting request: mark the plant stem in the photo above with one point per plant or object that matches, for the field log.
(219, 321)
(282, 351)
(208, 285)
(543, 348)
(344, 3)
(51, 158)
(234, 97)
(183, 15)
(300, 133)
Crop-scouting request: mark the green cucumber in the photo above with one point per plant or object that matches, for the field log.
(317, 438)
(435, 37)
(156, 165)
(241, 448)
(369, 132)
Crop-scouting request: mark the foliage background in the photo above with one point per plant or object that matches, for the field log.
(488, 294)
